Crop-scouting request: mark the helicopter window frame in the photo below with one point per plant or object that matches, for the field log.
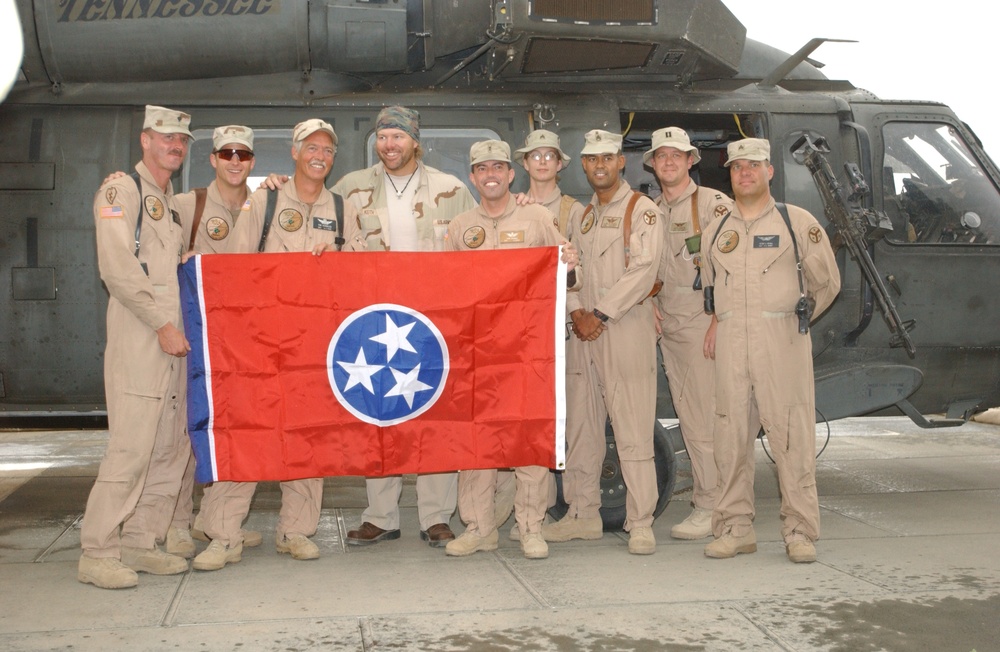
(934, 189)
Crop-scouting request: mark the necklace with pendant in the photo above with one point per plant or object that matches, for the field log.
(399, 193)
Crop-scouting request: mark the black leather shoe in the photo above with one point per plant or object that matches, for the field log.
(438, 535)
(368, 534)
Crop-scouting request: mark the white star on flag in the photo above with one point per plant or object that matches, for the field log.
(407, 384)
(394, 338)
(360, 372)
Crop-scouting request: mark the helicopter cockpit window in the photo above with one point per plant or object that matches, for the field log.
(271, 154)
(935, 192)
(445, 149)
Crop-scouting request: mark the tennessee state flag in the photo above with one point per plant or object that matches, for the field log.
(374, 363)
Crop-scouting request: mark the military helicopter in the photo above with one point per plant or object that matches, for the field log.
(913, 330)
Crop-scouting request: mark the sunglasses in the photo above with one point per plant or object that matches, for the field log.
(547, 156)
(227, 154)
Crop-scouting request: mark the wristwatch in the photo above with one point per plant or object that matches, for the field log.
(600, 315)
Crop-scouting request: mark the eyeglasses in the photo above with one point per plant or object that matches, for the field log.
(227, 154)
(547, 156)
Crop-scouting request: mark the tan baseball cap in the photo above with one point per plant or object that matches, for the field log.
(749, 149)
(307, 128)
(166, 121)
(489, 150)
(541, 138)
(598, 141)
(232, 135)
(671, 137)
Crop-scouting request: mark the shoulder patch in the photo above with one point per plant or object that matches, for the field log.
(649, 217)
(474, 237)
(290, 220)
(816, 234)
(217, 228)
(154, 207)
(112, 212)
(110, 194)
(720, 210)
(728, 241)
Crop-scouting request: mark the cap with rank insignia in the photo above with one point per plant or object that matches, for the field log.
(489, 150)
(598, 141)
(749, 149)
(671, 137)
(307, 128)
(232, 135)
(541, 138)
(166, 121)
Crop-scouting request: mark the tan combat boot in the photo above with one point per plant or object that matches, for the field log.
(217, 555)
(106, 573)
(298, 546)
(641, 541)
(153, 561)
(569, 528)
(534, 547)
(801, 551)
(179, 543)
(697, 525)
(728, 545)
(470, 542)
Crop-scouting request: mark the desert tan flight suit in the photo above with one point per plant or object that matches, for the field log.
(616, 373)
(212, 237)
(140, 475)
(685, 322)
(517, 228)
(765, 365)
(296, 226)
(439, 198)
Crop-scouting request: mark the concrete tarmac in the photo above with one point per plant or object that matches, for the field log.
(908, 560)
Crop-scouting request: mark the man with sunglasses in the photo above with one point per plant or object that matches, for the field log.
(689, 210)
(210, 215)
(620, 239)
(139, 245)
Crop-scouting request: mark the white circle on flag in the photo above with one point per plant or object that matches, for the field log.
(387, 364)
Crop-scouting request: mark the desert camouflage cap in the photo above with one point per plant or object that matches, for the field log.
(232, 135)
(489, 150)
(541, 138)
(598, 141)
(671, 137)
(399, 117)
(750, 149)
(307, 128)
(166, 121)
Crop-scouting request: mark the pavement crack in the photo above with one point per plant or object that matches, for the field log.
(170, 615)
(523, 581)
(45, 553)
(367, 635)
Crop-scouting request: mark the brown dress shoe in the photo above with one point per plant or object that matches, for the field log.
(438, 535)
(368, 534)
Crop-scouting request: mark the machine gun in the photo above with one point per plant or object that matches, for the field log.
(856, 226)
